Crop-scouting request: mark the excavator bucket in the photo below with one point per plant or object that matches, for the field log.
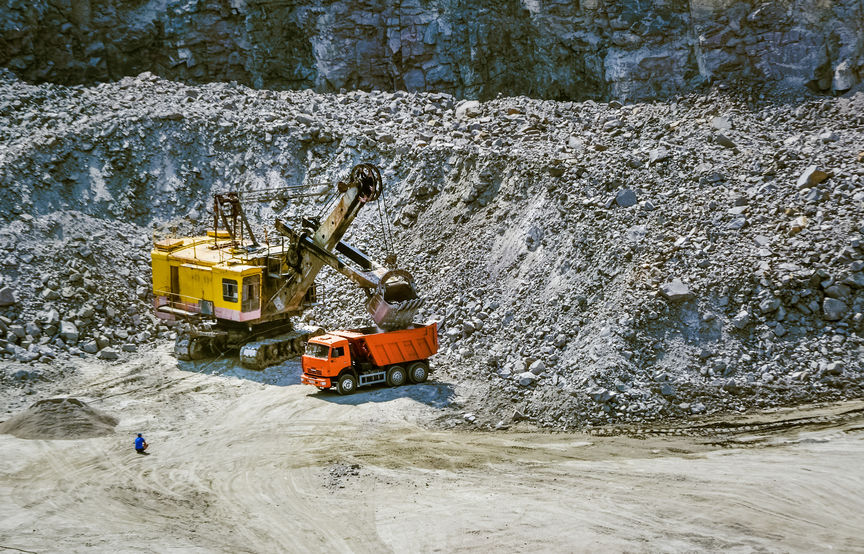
(395, 301)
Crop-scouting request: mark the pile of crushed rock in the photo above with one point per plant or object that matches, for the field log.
(59, 418)
(588, 262)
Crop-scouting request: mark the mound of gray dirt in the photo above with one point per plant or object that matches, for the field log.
(588, 263)
(59, 418)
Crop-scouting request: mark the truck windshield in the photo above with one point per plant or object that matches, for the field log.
(317, 350)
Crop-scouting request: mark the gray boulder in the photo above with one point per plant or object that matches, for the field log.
(467, 327)
(844, 76)
(855, 280)
(50, 316)
(834, 309)
(526, 378)
(601, 395)
(840, 292)
(626, 198)
(741, 320)
(811, 177)
(108, 354)
(468, 108)
(33, 329)
(834, 368)
(68, 332)
(721, 123)
(90, 347)
(658, 155)
(769, 305)
(537, 367)
(7, 297)
(676, 291)
(724, 141)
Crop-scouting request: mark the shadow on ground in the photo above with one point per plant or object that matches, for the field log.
(431, 393)
(282, 375)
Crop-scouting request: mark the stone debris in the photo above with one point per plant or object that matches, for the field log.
(552, 299)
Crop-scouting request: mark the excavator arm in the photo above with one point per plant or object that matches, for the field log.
(393, 300)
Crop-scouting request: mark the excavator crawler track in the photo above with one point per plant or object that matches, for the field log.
(263, 353)
(189, 348)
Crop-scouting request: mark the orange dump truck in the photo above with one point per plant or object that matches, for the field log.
(359, 357)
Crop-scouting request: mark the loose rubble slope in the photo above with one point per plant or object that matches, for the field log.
(588, 262)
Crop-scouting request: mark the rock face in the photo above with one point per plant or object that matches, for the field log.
(560, 50)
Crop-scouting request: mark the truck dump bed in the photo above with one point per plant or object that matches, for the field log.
(393, 347)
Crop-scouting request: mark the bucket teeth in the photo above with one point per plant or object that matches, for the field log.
(393, 315)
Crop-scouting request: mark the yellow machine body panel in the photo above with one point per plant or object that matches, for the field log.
(191, 277)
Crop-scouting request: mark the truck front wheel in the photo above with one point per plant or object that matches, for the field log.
(347, 384)
(418, 372)
(396, 376)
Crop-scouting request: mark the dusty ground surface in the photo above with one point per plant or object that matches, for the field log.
(255, 462)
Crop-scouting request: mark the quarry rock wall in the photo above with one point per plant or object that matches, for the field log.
(556, 49)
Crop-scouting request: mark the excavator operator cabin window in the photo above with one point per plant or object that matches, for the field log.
(229, 290)
(338, 352)
(250, 293)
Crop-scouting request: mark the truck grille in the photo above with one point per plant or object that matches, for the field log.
(311, 371)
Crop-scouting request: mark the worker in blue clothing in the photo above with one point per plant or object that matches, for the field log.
(140, 444)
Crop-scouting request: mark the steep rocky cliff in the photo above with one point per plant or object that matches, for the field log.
(476, 49)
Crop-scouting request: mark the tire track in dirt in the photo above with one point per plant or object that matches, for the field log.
(241, 466)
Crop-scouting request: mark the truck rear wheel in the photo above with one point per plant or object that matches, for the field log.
(396, 376)
(347, 384)
(418, 372)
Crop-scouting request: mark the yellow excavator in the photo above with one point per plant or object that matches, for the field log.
(228, 290)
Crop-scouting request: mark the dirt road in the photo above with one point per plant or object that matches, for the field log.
(255, 462)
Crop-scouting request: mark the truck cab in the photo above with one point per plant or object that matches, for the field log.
(326, 356)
